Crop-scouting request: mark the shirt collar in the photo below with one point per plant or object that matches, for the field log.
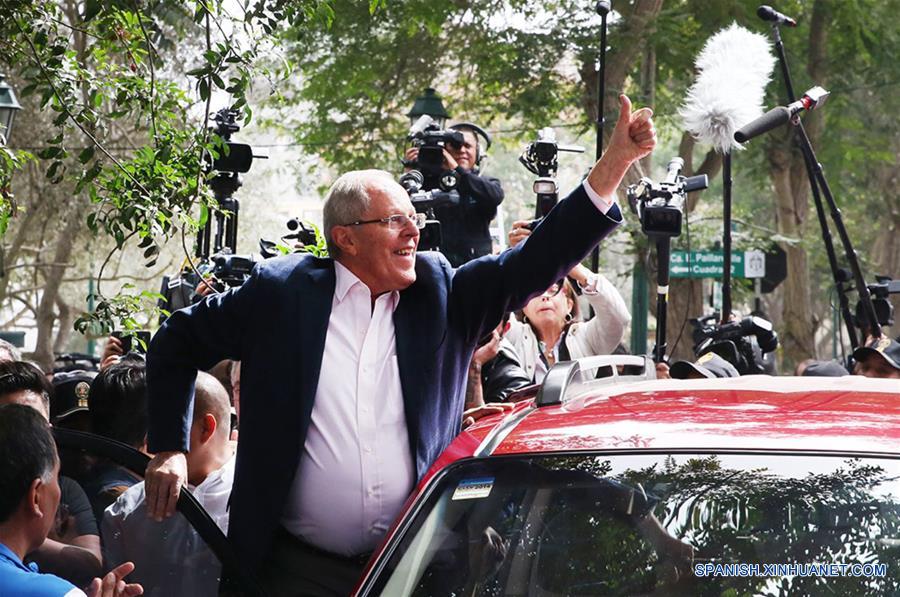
(346, 280)
(8, 554)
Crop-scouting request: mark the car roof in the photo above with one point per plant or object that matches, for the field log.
(845, 414)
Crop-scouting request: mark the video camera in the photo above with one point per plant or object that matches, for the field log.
(300, 233)
(430, 139)
(425, 201)
(216, 256)
(660, 206)
(881, 291)
(741, 343)
(541, 157)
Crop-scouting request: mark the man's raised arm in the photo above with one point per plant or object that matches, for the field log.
(485, 288)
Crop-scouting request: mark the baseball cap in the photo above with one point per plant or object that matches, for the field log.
(825, 369)
(708, 365)
(70, 393)
(887, 348)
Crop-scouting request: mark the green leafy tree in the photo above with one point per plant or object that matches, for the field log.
(535, 62)
(103, 74)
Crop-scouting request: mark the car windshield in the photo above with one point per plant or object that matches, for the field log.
(698, 524)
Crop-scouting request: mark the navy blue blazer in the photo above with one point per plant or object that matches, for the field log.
(276, 322)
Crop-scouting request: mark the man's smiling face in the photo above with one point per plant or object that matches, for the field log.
(383, 255)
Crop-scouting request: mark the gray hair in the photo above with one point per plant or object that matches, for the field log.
(348, 199)
(8, 352)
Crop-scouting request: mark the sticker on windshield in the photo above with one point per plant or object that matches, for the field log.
(473, 489)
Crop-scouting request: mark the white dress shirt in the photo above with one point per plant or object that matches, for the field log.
(170, 557)
(356, 469)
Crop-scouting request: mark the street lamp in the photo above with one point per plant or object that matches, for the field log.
(429, 104)
(8, 107)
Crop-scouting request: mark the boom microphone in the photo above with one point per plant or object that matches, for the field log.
(767, 13)
(734, 67)
(776, 117)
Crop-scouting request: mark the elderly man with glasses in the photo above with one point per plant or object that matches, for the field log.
(353, 368)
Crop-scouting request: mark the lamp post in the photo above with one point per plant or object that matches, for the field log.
(429, 104)
(8, 107)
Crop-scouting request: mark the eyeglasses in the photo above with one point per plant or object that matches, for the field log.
(396, 221)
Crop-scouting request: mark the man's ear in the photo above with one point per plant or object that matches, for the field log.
(209, 427)
(33, 498)
(345, 240)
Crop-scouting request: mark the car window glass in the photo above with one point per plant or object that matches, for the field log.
(170, 557)
(668, 524)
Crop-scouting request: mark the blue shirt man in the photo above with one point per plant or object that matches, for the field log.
(17, 578)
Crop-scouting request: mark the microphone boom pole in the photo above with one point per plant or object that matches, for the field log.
(602, 7)
(839, 275)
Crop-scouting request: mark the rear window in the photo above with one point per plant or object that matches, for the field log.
(696, 524)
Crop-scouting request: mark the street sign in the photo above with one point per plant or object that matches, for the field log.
(708, 264)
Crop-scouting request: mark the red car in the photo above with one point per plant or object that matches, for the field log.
(625, 486)
(751, 485)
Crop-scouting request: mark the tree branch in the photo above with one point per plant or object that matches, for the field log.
(150, 52)
(65, 108)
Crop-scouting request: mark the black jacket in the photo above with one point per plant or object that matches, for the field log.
(465, 227)
(503, 375)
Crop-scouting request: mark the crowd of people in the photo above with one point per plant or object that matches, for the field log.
(356, 371)
(72, 514)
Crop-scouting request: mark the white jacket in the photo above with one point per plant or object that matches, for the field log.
(599, 335)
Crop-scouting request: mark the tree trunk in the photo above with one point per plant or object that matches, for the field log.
(66, 319)
(686, 298)
(885, 252)
(53, 276)
(788, 173)
(636, 24)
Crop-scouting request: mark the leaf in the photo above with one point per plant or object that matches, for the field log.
(91, 9)
(50, 152)
(203, 88)
(86, 154)
(53, 169)
(93, 172)
(204, 215)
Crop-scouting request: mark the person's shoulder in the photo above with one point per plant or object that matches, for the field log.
(287, 266)
(432, 263)
(31, 583)
(127, 503)
(68, 487)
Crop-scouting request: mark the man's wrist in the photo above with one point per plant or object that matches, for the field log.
(608, 172)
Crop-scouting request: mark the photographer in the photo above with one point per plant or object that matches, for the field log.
(880, 357)
(465, 227)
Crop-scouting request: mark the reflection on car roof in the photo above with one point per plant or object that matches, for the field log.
(852, 414)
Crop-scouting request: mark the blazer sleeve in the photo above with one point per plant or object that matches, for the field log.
(193, 339)
(485, 288)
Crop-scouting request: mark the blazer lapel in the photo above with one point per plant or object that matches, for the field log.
(314, 297)
(411, 360)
